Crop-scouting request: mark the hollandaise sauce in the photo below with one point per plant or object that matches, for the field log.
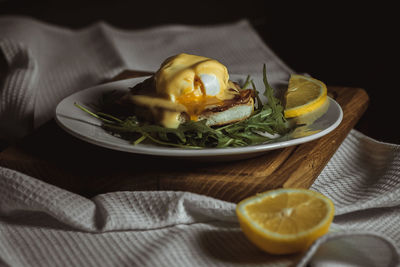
(195, 82)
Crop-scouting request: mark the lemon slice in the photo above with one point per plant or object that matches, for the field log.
(304, 95)
(285, 221)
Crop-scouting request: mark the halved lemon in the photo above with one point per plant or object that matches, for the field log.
(285, 221)
(304, 95)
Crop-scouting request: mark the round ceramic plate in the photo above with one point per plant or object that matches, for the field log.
(85, 127)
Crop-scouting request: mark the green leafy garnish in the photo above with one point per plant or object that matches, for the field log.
(265, 124)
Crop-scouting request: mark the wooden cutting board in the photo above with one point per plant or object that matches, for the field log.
(52, 155)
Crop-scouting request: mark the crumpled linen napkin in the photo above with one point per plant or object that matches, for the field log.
(50, 63)
(42, 225)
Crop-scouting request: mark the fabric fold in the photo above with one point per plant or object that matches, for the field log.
(33, 210)
(352, 248)
(108, 212)
(70, 61)
(17, 94)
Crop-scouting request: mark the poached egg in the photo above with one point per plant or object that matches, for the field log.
(190, 87)
(195, 82)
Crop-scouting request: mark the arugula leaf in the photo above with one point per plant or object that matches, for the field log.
(267, 118)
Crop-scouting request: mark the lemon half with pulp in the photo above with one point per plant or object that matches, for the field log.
(304, 95)
(285, 221)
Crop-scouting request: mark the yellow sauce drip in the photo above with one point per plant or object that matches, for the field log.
(196, 104)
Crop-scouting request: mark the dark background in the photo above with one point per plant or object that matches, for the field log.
(340, 44)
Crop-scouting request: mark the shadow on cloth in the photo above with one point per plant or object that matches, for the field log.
(231, 246)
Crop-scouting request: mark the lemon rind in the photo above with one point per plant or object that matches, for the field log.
(311, 106)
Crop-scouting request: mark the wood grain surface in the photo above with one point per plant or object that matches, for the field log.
(52, 155)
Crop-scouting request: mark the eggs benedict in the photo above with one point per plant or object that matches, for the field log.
(189, 87)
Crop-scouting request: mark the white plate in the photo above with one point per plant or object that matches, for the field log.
(85, 127)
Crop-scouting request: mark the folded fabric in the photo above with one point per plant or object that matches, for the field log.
(43, 225)
(47, 63)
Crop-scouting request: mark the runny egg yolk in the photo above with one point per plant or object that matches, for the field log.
(193, 81)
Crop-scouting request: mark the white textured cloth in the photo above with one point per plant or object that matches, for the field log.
(42, 225)
(50, 63)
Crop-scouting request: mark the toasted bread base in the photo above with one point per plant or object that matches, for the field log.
(233, 114)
